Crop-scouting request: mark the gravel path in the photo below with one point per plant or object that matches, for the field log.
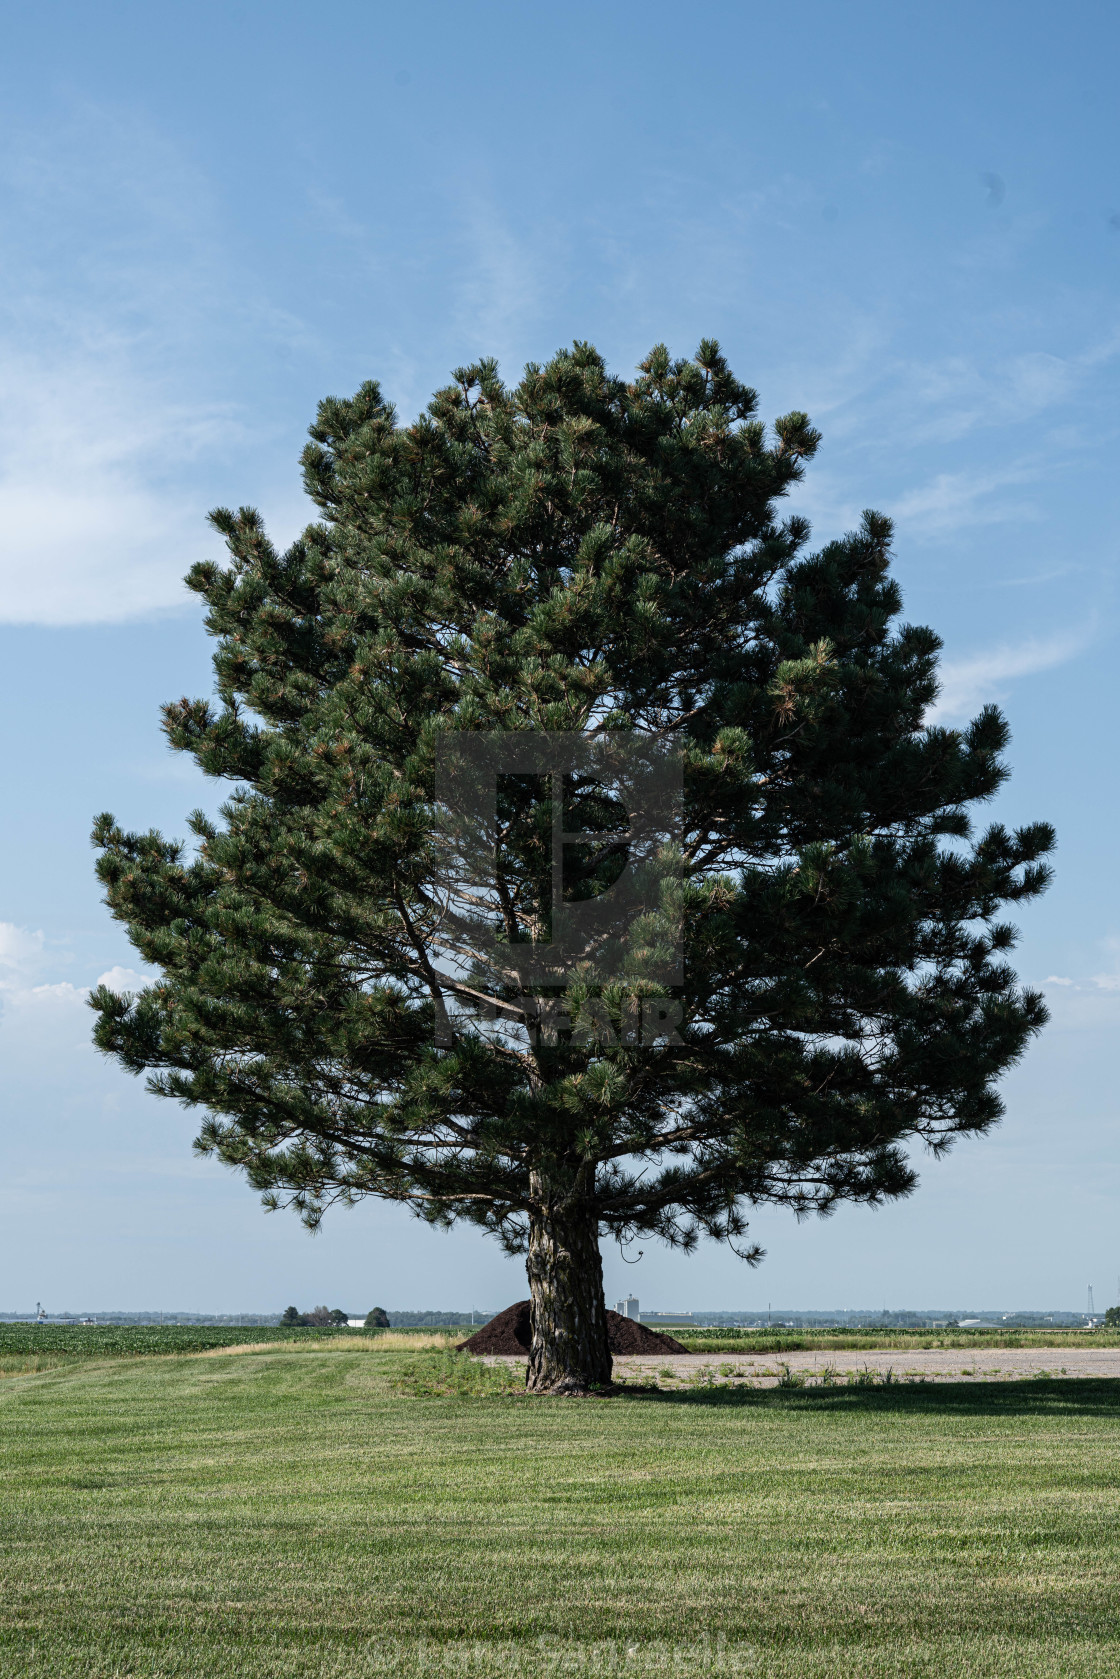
(949, 1364)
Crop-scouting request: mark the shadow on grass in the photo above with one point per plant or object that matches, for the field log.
(1036, 1396)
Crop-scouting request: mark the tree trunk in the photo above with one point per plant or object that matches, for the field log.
(568, 1314)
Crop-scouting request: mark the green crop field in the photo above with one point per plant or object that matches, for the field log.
(54, 1341)
(727, 1340)
(340, 1507)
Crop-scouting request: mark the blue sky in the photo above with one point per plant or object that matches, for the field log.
(903, 218)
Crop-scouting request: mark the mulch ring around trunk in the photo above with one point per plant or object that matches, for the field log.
(509, 1334)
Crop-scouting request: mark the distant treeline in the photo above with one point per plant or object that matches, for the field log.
(777, 1318)
(783, 1318)
(433, 1320)
(232, 1320)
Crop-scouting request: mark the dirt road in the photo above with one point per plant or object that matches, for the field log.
(990, 1364)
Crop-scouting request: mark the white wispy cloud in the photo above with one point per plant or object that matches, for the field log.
(502, 280)
(958, 394)
(27, 980)
(952, 500)
(123, 979)
(24, 960)
(112, 278)
(883, 412)
(89, 535)
(1108, 980)
(968, 683)
(20, 950)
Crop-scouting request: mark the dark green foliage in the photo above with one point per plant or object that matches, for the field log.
(1112, 1318)
(573, 553)
(377, 1319)
(292, 1316)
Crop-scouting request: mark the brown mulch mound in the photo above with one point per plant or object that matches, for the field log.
(509, 1333)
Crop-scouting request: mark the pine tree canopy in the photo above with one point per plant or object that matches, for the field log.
(575, 554)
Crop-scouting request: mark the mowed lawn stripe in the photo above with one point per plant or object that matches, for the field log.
(294, 1507)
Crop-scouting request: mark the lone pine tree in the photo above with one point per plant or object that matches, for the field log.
(581, 556)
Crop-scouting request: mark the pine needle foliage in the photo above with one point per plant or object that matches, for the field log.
(577, 552)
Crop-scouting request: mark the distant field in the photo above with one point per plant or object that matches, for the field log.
(868, 1340)
(325, 1509)
(57, 1341)
(27, 1348)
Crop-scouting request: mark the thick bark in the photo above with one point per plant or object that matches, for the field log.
(568, 1314)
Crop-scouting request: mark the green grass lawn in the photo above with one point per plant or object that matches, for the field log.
(309, 1510)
